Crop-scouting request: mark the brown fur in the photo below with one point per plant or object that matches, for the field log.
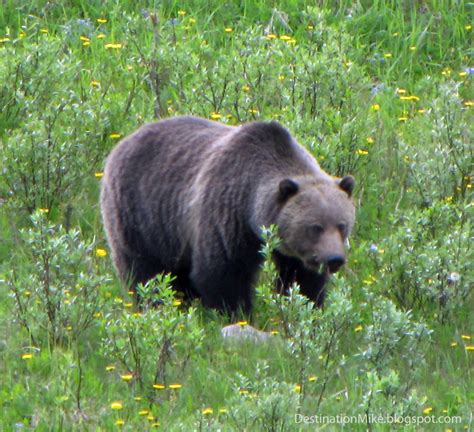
(189, 196)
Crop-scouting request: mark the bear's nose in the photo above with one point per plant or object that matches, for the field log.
(335, 262)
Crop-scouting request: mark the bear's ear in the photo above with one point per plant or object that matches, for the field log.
(287, 188)
(347, 184)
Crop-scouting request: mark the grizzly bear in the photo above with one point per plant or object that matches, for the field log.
(190, 196)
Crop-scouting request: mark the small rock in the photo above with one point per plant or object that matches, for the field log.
(247, 332)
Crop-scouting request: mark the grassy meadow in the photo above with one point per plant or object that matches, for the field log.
(382, 90)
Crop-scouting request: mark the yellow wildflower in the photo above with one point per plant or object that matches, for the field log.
(312, 378)
(222, 411)
(358, 328)
(469, 347)
(192, 20)
(181, 13)
(275, 332)
(465, 337)
(403, 119)
(228, 30)
(127, 377)
(27, 356)
(113, 46)
(207, 411)
(215, 116)
(271, 36)
(44, 30)
(175, 386)
(101, 36)
(117, 405)
(5, 39)
(158, 386)
(454, 344)
(101, 20)
(115, 135)
(410, 98)
(177, 302)
(427, 410)
(100, 252)
(413, 48)
(242, 323)
(388, 55)
(285, 38)
(245, 88)
(297, 388)
(44, 210)
(469, 103)
(95, 83)
(421, 110)
(310, 27)
(468, 27)
(110, 368)
(84, 39)
(362, 152)
(143, 412)
(375, 107)
(370, 140)
(99, 175)
(155, 425)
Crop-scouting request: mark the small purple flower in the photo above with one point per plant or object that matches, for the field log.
(373, 248)
(469, 70)
(376, 88)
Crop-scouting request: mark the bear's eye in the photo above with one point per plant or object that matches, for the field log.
(316, 230)
(342, 227)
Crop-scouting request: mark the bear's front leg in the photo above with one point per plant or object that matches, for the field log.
(292, 270)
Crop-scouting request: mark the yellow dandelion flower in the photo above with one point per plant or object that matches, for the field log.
(245, 88)
(143, 413)
(275, 332)
(396, 34)
(297, 388)
(101, 36)
(215, 116)
(465, 337)
(136, 314)
(131, 293)
(375, 107)
(192, 20)
(27, 356)
(427, 410)
(127, 377)
(207, 411)
(113, 46)
(98, 315)
(117, 405)
(110, 368)
(413, 48)
(312, 378)
(285, 38)
(228, 30)
(84, 39)
(175, 386)
(469, 103)
(421, 110)
(402, 119)
(86, 44)
(95, 83)
(446, 72)
(242, 323)
(100, 252)
(359, 328)
(44, 30)
(159, 386)
(115, 135)
(454, 344)
(388, 55)
(223, 411)
(101, 20)
(362, 152)
(469, 347)
(243, 392)
(181, 13)
(119, 422)
(128, 305)
(5, 39)
(150, 417)
(253, 111)
(22, 34)
(177, 302)
(370, 140)
(410, 98)
(310, 27)
(99, 175)
(44, 210)
(155, 425)
(281, 77)
(468, 27)
(462, 74)
(271, 36)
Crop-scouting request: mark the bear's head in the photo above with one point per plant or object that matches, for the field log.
(315, 221)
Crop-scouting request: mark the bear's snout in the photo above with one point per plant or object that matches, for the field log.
(335, 262)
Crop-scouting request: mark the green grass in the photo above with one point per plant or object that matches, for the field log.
(339, 79)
